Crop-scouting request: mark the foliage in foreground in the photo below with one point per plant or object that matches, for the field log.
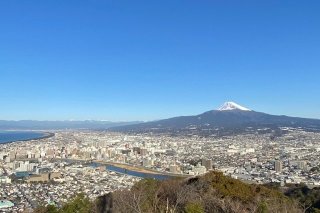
(308, 198)
(80, 204)
(212, 192)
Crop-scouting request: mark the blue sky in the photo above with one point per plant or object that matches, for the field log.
(144, 60)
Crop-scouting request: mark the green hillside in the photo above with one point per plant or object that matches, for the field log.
(212, 192)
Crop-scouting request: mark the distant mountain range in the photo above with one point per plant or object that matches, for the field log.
(230, 117)
(59, 125)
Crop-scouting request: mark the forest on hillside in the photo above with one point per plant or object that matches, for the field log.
(212, 192)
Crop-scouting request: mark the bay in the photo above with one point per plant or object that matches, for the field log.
(12, 136)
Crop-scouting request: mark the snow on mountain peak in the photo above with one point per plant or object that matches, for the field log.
(232, 106)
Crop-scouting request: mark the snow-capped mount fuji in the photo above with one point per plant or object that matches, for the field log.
(230, 117)
(232, 106)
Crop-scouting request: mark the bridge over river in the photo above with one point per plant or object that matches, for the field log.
(137, 171)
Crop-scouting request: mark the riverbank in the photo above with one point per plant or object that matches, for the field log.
(128, 167)
(138, 171)
(133, 170)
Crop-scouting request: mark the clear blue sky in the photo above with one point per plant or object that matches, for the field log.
(143, 60)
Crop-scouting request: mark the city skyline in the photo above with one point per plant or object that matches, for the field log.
(125, 61)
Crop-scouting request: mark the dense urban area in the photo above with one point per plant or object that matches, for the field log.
(53, 170)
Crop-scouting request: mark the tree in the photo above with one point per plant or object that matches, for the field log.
(80, 204)
(194, 208)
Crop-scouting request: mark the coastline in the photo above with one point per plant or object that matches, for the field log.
(44, 136)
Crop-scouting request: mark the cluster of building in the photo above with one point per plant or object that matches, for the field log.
(30, 176)
(48, 170)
